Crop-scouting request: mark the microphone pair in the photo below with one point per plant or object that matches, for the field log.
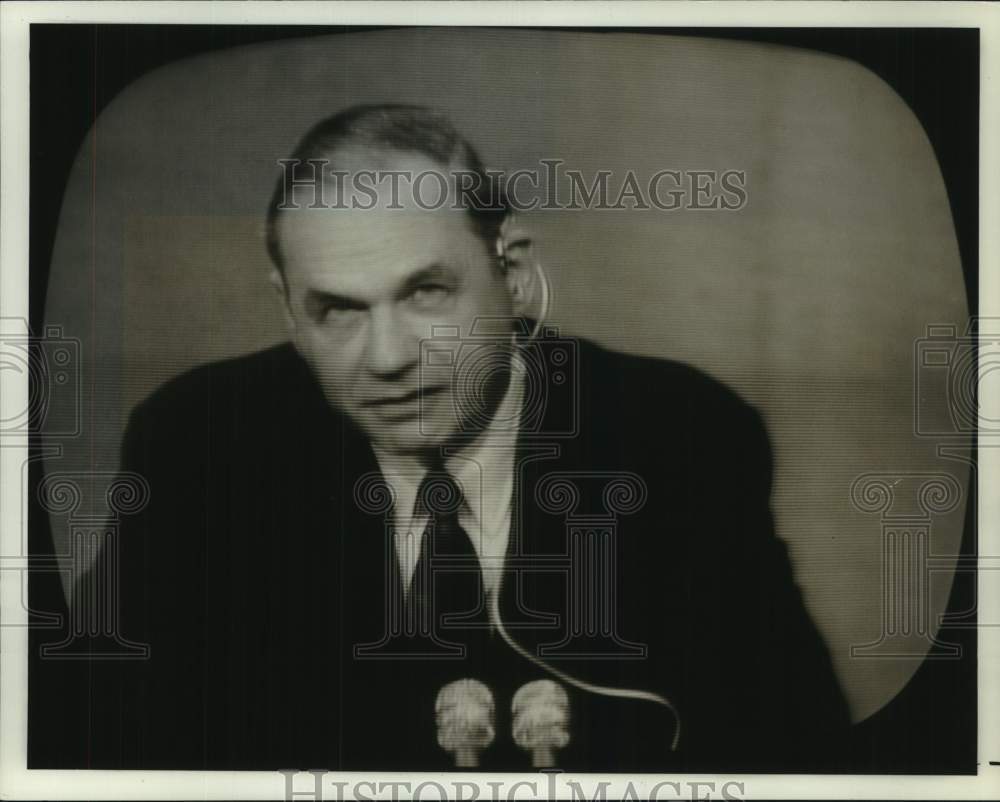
(465, 714)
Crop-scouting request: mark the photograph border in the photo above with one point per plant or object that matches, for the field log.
(16, 302)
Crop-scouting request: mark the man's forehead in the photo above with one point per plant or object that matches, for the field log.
(381, 211)
(387, 242)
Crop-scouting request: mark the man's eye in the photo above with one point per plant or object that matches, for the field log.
(428, 295)
(338, 312)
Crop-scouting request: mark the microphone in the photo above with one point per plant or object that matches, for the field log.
(541, 720)
(465, 717)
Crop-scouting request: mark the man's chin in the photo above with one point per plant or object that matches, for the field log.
(409, 437)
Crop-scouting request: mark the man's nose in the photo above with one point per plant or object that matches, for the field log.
(392, 347)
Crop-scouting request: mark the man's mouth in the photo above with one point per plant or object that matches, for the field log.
(403, 399)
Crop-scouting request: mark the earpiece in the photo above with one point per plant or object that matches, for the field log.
(518, 290)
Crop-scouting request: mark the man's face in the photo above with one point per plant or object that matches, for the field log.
(363, 288)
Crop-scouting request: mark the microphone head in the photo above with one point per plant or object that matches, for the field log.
(465, 716)
(541, 716)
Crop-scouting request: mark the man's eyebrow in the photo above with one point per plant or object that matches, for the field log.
(317, 300)
(433, 272)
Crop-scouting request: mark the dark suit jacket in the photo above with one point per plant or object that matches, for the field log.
(254, 573)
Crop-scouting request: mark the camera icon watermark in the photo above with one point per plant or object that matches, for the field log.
(51, 364)
(949, 370)
(474, 368)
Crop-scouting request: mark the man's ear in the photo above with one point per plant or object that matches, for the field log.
(521, 274)
(277, 281)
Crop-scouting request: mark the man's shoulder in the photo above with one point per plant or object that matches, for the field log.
(248, 378)
(647, 389)
(230, 400)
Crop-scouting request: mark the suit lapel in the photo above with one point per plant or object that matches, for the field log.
(544, 598)
(534, 592)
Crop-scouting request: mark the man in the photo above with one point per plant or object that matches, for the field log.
(427, 533)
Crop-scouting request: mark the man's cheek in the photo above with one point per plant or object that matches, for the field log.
(442, 408)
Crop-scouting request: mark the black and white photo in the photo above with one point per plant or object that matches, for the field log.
(478, 400)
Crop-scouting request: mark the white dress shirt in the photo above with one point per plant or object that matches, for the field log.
(484, 469)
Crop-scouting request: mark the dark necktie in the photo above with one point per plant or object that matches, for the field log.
(446, 598)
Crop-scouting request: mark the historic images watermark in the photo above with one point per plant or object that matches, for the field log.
(907, 504)
(50, 363)
(550, 186)
(948, 368)
(319, 784)
(588, 567)
(543, 362)
(949, 364)
(41, 379)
